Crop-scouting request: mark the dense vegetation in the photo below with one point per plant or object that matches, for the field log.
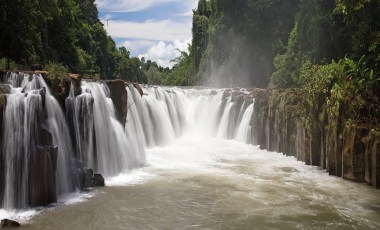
(328, 49)
(67, 33)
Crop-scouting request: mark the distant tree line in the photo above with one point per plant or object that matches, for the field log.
(68, 33)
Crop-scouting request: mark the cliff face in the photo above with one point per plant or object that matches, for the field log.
(329, 140)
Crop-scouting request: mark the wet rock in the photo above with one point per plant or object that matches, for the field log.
(119, 96)
(98, 180)
(226, 94)
(353, 153)
(138, 87)
(42, 176)
(89, 178)
(76, 83)
(2, 74)
(213, 93)
(46, 138)
(5, 89)
(6, 223)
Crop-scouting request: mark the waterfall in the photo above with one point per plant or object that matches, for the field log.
(90, 136)
(22, 115)
(30, 108)
(103, 143)
(243, 133)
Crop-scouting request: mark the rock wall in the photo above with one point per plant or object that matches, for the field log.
(343, 149)
(119, 96)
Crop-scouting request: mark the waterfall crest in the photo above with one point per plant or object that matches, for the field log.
(39, 139)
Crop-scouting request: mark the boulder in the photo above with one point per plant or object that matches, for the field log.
(42, 176)
(6, 223)
(98, 180)
(119, 96)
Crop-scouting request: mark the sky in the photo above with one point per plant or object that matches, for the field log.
(153, 29)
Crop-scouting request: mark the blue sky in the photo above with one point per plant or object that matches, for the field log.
(153, 29)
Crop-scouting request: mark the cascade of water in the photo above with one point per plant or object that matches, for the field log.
(204, 112)
(28, 109)
(163, 130)
(135, 123)
(23, 116)
(101, 143)
(224, 122)
(115, 151)
(56, 121)
(243, 133)
(79, 110)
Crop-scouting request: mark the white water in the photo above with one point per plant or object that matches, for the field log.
(25, 114)
(194, 177)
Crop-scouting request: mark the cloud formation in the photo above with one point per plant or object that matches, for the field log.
(153, 29)
(129, 5)
(165, 30)
(163, 52)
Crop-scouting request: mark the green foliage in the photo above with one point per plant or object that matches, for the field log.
(67, 32)
(154, 76)
(6, 64)
(56, 70)
(183, 71)
(345, 89)
(200, 38)
(242, 39)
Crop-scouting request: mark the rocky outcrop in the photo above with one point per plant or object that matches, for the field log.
(138, 87)
(119, 96)
(42, 176)
(76, 83)
(99, 180)
(93, 180)
(6, 223)
(328, 140)
(42, 173)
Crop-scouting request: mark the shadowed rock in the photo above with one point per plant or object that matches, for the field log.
(42, 176)
(76, 83)
(98, 180)
(138, 87)
(6, 223)
(119, 96)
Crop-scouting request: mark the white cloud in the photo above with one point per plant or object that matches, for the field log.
(129, 5)
(165, 30)
(154, 39)
(136, 46)
(163, 52)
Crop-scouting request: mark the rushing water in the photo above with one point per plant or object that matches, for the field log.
(206, 183)
(197, 170)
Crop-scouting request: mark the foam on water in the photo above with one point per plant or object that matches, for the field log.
(22, 216)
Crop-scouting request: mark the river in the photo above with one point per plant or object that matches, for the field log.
(199, 173)
(206, 183)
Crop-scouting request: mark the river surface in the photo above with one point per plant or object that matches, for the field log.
(198, 172)
(207, 183)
